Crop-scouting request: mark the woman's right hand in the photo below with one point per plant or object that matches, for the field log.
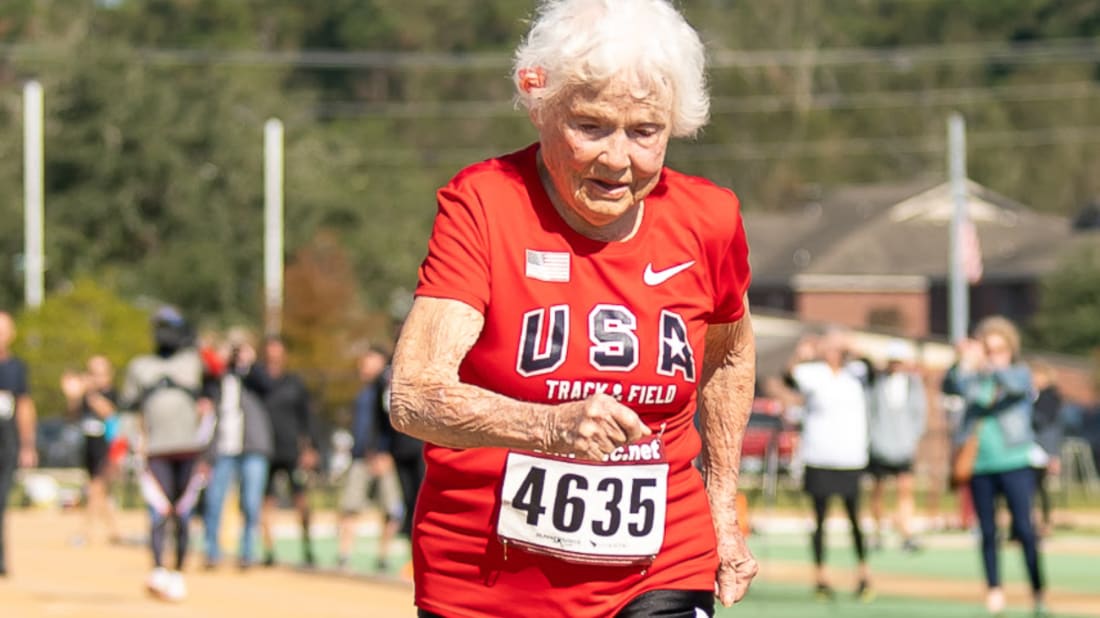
(593, 427)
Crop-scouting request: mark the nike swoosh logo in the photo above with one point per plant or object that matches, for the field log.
(657, 277)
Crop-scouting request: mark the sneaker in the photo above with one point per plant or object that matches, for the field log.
(864, 592)
(910, 546)
(307, 559)
(269, 559)
(157, 582)
(995, 601)
(823, 592)
(177, 588)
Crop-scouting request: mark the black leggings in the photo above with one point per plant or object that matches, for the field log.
(8, 463)
(851, 505)
(173, 476)
(654, 604)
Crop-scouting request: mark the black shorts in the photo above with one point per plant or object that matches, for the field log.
(296, 477)
(825, 482)
(655, 604)
(95, 455)
(880, 469)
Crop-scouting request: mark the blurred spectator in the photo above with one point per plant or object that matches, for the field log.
(834, 442)
(408, 456)
(91, 397)
(243, 443)
(177, 424)
(1049, 435)
(372, 464)
(295, 455)
(17, 422)
(898, 410)
(997, 390)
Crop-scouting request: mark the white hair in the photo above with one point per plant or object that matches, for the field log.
(589, 42)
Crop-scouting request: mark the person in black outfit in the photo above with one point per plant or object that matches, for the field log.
(91, 396)
(1046, 420)
(288, 401)
(17, 421)
(408, 456)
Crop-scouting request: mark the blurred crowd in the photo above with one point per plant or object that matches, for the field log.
(857, 422)
(200, 418)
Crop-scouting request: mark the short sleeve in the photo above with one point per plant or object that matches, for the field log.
(457, 265)
(21, 387)
(732, 276)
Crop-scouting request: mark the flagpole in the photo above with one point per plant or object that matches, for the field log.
(958, 290)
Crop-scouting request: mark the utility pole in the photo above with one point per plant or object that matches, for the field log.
(273, 226)
(33, 190)
(959, 289)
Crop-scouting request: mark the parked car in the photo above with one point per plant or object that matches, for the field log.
(767, 438)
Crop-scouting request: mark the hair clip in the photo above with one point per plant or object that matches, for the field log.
(531, 78)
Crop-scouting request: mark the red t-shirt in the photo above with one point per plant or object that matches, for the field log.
(566, 316)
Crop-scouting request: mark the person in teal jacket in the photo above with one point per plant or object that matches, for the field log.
(997, 389)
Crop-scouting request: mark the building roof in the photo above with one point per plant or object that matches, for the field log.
(900, 230)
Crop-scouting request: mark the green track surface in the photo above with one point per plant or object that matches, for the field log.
(1074, 572)
(773, 600)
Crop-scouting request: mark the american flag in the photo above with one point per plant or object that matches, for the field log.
(971, 251)
(550, 266)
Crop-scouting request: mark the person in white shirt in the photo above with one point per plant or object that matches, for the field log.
(834, 443)
(899, 407)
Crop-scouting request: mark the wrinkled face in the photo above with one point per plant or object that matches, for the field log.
(604, 149)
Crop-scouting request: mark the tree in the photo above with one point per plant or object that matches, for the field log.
(323, 321)
(1068, 319)
(71, 326)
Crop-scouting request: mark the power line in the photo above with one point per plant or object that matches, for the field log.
(745, 104)
(688, 151)
(1085, 50)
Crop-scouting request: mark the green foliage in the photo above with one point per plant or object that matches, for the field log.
(324, 322)
(70, 327)
(1069, 314)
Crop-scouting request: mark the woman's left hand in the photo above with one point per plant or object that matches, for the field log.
(736, 567)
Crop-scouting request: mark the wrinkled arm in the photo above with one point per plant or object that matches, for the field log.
(429, 402)
(725, 398)
(726, 392)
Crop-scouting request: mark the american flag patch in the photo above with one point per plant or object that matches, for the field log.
(550, 266)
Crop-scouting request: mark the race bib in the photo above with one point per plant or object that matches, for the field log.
(7, 405)
(93, 427)
(610, 512)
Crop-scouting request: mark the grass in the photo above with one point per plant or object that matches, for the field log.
(1063, 571)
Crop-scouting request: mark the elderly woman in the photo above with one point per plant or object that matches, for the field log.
(578, 304)
(997, 389)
